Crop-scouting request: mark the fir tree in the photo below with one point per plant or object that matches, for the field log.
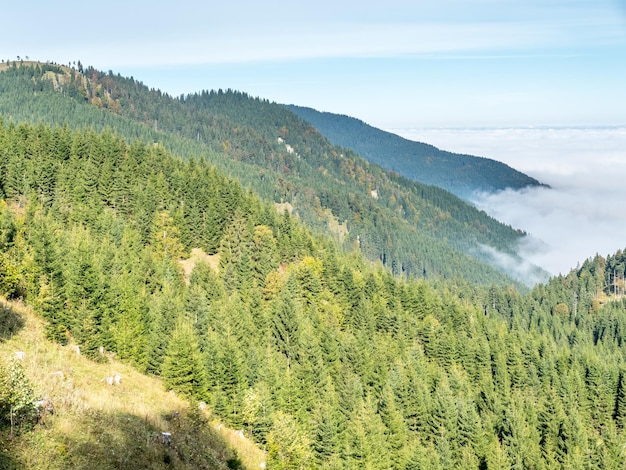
(183, 368)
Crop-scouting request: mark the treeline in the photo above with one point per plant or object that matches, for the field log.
(414, 230)
(326, 361)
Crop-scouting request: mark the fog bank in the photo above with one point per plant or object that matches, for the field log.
(584, 211)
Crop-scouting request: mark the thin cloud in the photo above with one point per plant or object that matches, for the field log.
(314, 41)
(193, 33)
(304, 41)
(518, 268)
(565, 226)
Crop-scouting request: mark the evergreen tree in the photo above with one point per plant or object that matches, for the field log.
(288, 447)
(166, 237)
(325, 439)
(285, 319)
(619, 413)
(257, 411)
(183, 368)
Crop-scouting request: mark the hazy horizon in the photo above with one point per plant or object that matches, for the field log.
(582, 212)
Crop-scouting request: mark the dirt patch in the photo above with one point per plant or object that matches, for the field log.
(198, 255)
(281, 207)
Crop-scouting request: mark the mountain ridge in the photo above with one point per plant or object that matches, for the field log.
(434, 233)
(460, 174)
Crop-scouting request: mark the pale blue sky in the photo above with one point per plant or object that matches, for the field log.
(394, 64)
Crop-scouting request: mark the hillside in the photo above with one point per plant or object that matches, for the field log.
(320, 357)
(458, 173)
(412, 229)
(94, 424)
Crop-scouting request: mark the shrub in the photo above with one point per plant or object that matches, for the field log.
(16, 396)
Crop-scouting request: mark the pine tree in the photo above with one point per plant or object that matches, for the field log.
(619, 412)
(228, 376)
(325, 439)
(164, 308)
(285, 319)
(367, 444)
(129, 325)
(257, 411)
(391, 416)
(264, 253)
(166, 237)
(183, 367)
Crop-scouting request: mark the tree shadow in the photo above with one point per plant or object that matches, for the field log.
(11, 322)
(6, 462)
(116, 440)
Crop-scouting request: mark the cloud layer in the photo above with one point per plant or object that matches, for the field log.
(583, 213)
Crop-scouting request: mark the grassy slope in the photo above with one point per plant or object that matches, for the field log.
(96, 425)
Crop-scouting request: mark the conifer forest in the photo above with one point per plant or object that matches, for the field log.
(182, 236)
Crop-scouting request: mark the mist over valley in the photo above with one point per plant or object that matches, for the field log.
(581, 213)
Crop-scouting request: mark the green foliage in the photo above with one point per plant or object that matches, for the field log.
(11, 279)
(17, 409)
(412, 229)
(288, 447)
(183, 370)
(10, 276)
(285, 322)
(166, 237)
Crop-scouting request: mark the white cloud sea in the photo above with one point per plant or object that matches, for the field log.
(584, 211)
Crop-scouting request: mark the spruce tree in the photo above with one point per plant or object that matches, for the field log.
(183, 368)
(619, 412)
(285, 321)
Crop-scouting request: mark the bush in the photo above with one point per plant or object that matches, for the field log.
(10, 277)
(234, 463)
(16, 396)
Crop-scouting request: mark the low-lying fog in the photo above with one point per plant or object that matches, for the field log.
(583, 213)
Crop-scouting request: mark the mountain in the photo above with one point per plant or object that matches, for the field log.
(460, 174)
(157, 264)
(411, 228)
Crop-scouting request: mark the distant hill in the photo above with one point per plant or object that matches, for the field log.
(458, 173)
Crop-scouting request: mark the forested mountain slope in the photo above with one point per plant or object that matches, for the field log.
(412, 229)
(460, 174)
(323, 359)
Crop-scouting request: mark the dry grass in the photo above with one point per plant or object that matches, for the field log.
(97, 425)
(281, 207)
(198, 255)
(251, 456)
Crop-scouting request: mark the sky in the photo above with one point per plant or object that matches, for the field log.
(394, 64)
(538, 84)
